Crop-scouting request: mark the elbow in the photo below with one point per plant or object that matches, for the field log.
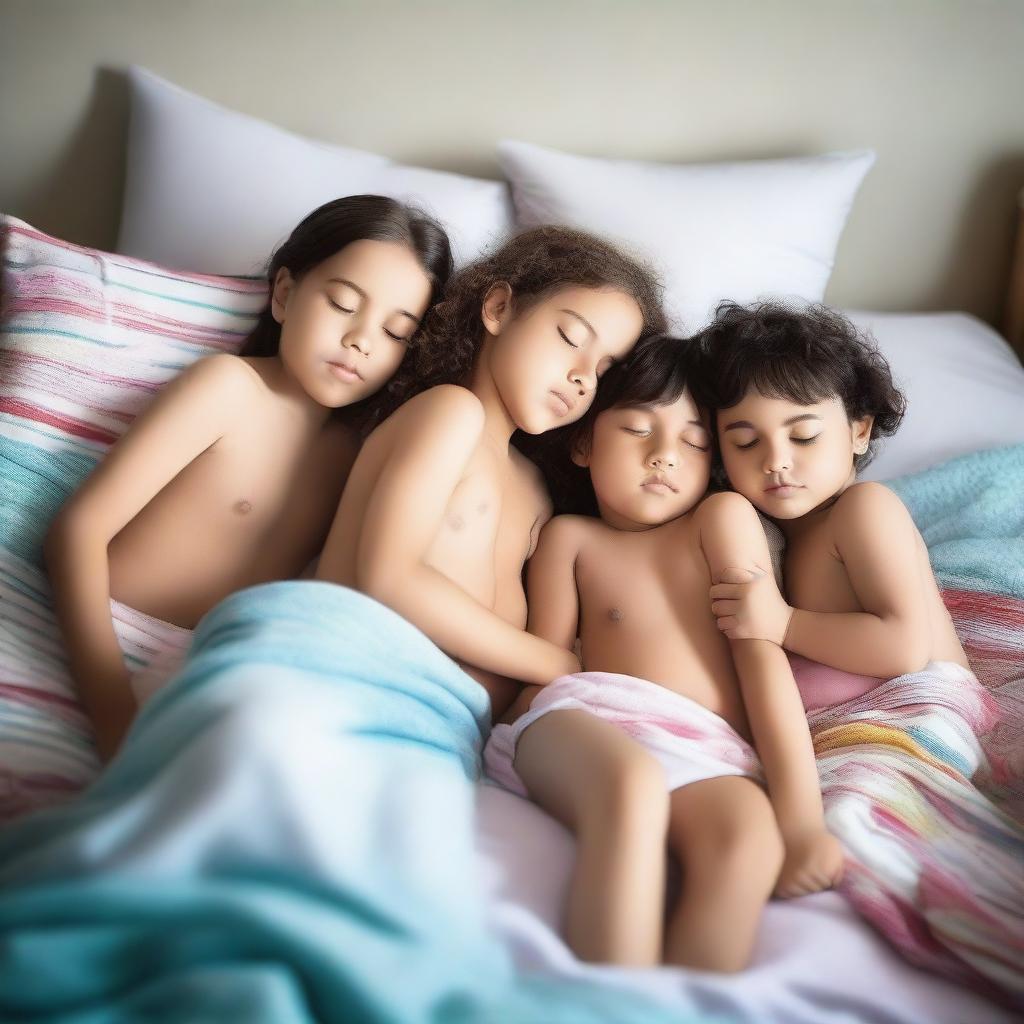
(913, 654)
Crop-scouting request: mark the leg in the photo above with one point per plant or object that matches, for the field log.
(724, 833)
(611, 794)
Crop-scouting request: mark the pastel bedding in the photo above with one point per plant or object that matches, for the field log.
(214, 869)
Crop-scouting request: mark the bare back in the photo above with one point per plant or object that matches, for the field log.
(253, 507)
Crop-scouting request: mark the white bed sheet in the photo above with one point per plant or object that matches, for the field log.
(815, 961)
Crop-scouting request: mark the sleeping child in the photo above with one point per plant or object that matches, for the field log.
(653, 744)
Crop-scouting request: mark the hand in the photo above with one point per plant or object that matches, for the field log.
(567, 664)
(748, 606)
(814, 861)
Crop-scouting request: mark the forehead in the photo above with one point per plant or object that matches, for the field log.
(612, 314)
(369, 262)
(762, 410)
(680, 410)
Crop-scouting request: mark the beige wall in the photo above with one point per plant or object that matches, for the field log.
(935, 86)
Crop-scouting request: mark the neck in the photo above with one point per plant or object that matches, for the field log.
(293, 395)
(792, 528)
(498, 423)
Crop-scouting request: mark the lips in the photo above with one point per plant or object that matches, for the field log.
(659, 484)
(344, 371)
(783, 490)
(562, 404)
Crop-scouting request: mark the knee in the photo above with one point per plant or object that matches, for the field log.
(745, 845)
(630, 795)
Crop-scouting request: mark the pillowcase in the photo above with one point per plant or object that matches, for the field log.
(963, 383)
(86, 340)
(715, 231)
(217, 191)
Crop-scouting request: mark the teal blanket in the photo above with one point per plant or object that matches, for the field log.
(970, 512)
(287, 835)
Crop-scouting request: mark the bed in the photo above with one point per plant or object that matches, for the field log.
(88, 337)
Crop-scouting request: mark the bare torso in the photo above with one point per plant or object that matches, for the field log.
(489, 529)
(644, 611)
(817, 581)
(254, 507)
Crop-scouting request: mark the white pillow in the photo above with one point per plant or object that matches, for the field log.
(215, 191)
(964, 388)
(715, 231)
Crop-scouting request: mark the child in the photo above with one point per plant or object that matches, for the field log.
(800, 400)
(441, 513)
(232, 475)
(651, 742)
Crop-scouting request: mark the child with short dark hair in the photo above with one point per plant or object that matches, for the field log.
(800, 400)
(651, 746)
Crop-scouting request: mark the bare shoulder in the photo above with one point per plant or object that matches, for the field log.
(447, 404)
(868, 504)
(224, 370)
(565, 535)
(724, 512)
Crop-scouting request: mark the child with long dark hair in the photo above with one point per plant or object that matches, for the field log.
(231, 477)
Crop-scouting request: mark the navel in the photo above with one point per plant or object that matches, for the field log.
(242, 507)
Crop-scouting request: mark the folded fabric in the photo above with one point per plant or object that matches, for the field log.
(931, 861)
(690, 742)
(286, 835)
(970, 513)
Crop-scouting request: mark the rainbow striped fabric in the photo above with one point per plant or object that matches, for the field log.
(86, 339)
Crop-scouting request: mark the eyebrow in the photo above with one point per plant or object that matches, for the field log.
(737, 424)
(351, 284)
(582, 319)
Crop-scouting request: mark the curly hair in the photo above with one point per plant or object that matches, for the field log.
(806, 355)
(534, 264)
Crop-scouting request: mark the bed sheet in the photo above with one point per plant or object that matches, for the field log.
(815, 960)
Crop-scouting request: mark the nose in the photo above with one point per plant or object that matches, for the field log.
(777, 459)
(663, 457)
(358, 339)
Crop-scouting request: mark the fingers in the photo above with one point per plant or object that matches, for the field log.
(719, 608)
(727, 590)
(804, 883)
(727, 623)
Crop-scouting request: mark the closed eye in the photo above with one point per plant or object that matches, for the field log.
(805, 440)
(565, 338)
(749, 444)
(637, 433)
(697, 446)
(340, 308)
(397, 337)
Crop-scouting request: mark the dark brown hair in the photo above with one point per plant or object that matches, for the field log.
(326, 231)
(534, 264)
(805, 355)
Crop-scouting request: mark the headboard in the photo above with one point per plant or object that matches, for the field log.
(934, 86)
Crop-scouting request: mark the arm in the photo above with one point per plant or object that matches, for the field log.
(440, 433)
(730, 535)
(551, 583)
(877, 542)
(184, 420)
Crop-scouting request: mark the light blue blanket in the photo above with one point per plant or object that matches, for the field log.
(970, 512)
(287, 835)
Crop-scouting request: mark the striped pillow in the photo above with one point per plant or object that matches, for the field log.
(86, 339)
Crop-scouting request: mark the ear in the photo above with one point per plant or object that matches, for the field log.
(580, 452)
(861, 430)
(497, 308)
(283, 284)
